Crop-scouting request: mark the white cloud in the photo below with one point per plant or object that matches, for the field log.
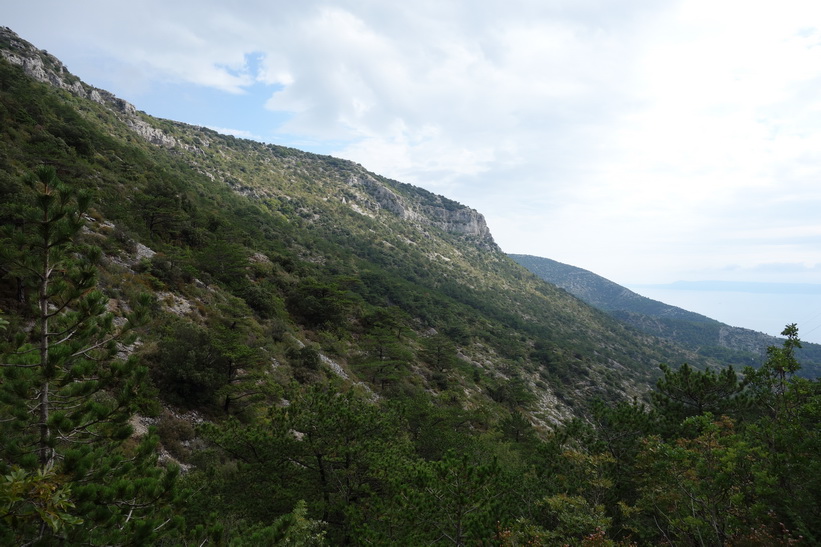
(241, 133)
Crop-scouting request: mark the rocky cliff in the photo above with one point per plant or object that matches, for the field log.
(426, 209)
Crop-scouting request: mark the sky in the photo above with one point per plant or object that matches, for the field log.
(649, 141)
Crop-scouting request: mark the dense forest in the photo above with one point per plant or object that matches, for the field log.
(210, 341)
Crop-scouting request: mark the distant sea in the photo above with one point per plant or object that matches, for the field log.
(766, 308)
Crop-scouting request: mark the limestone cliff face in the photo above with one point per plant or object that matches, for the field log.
(40, 65)
(463, 221)
(421, 207)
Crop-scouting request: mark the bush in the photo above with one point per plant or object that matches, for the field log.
(174, 433)
(187, 368)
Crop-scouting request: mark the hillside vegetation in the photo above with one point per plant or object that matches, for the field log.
(729, 345)
(209, 340)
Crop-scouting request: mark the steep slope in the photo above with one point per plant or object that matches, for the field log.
(600, 292)
(731, 345)
(330, 357)
(303, 249)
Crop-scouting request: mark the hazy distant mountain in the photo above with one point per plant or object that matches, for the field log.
(600, 292)
(710, 338)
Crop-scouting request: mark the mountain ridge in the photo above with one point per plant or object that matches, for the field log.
(321, 228)
(296, 350)
(699, 332)
(428, 207)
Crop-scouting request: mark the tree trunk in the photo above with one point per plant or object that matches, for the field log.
(21, 291)
(45, 453)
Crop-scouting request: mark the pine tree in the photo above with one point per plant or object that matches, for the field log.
(688, 392)
(72, 473)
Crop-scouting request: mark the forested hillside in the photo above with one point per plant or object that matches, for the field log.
(208, 340)
(729, 345)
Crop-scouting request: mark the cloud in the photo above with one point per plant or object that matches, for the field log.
(642, 140)
(739, 287)
(487, 90)
(241, 133)
(789, 267)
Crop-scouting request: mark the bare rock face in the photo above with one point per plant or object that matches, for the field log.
(151, 134)
(461, 221)
(39, 64)
(385, 197)
(426, 209)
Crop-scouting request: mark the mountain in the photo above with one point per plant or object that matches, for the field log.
(210, 340)
(600, 292)
(730, 345)
(192, 213)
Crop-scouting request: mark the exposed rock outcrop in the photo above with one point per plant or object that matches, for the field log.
(39, 64)
(46, 68)
(425, 208)
(461, 221)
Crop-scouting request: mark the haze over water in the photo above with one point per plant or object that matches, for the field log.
(760, 311)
